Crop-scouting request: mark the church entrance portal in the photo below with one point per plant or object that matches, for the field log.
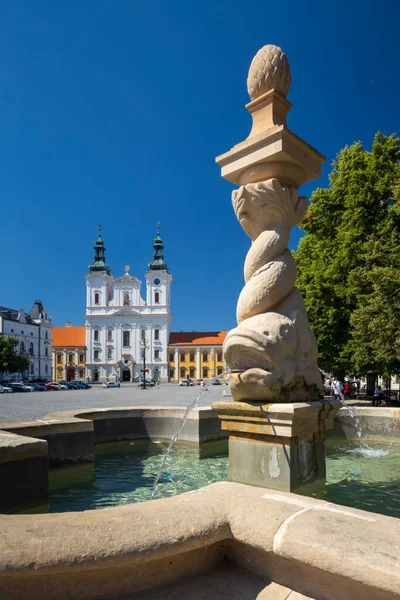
(126, 375)
(70, 374)
(95, 375)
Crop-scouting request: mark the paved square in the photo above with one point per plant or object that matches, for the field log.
(35, 405)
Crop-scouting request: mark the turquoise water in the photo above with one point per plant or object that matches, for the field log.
(358, 475)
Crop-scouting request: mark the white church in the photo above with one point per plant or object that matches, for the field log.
(122, 329)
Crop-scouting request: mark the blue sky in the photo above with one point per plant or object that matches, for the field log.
(113, 113)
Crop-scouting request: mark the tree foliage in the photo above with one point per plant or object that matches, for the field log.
(10, 360)
(349, 260)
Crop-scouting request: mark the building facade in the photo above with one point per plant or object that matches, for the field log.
(196, 355)
(33, 331)
(69, 353)
(122, 327)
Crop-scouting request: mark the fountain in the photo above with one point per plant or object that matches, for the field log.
(278, 417)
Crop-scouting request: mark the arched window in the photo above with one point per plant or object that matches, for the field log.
(46, 352)
(109, 334)
(126, 338)
(109, 353)
(219, 357)
(59, 357)
(191, 372)
(31, 348)
(22, 348)
(219, 370)
(183, 372)
(46, 335)
(81, 373)
(205, 356)
(171, 373)
(156, 334)
(157, 297)
(70, 358)
(192, 357)
(126, 299)
(97, 298)
(205, 371)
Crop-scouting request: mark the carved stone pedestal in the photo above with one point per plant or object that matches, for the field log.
(278, 446)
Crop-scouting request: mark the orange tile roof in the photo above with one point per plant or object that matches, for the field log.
(197, 338)
(69, 336)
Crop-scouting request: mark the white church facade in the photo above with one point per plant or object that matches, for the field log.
(123, 329)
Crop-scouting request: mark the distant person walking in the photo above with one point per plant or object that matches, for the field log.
(336, 388)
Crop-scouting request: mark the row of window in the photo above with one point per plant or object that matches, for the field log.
(183, 372)
(22, 332)
(30, 349)
(61, 374)
(127, 300)
(96, 354)
(71, 357)
(205, 355)
(126, 336)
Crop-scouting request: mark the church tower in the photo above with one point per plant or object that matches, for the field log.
(98, 278)
(158, 277)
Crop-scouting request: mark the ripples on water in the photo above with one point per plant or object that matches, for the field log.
(359, 475)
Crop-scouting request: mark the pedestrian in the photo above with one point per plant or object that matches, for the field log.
(119, 383)
(377, 397)
(201, 384)
(347, 390)
(336, 388)
(157, 385)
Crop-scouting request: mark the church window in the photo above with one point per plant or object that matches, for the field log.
(171, 373)
(156, 354)
(45, 369)
(183, 356)
(219, 357)
(12, 330)
(157, 297)
(156, 334)
(96, 335)
(219, 371)
(22, 348)
(126, 299)
(32, 369)
(205, 371)
(183, 372)
(205, 356)
(22, 332)
(171, 357)
(192, 357)
(126, 338)
(31, 349)
(70, 358)
(81, 358)
(191, 371)
(59, 357)
(97, 298)
(109, 352)
(46, 335)
(109, 335)
(96, 355)
(46, 351)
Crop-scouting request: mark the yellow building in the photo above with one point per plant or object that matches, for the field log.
(69, 353)
(196, 355)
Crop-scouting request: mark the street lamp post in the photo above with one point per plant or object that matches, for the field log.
(144, 346)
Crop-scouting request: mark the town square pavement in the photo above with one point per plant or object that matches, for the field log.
(35, 405)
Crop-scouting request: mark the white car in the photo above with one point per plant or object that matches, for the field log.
(5, 390)
(60, 386)
(109, 384)
(184, 382)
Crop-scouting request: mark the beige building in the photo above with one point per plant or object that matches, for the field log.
(196, 355)
(69, 353)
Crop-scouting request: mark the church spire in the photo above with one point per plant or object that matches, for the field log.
(99, 263)
(158, 263)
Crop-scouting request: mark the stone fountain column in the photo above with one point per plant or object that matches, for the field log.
(278, 416)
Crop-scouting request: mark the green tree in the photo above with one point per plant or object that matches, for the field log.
(348, 262)
(10, 360)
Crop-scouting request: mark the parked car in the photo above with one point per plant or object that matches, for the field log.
(5, 389)
(69, 384)
(109, 384)
(183, 382)
(148, 383)
(87, 386)
(38, 388)
(216, 382)
(20, 387)
(53, 386)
